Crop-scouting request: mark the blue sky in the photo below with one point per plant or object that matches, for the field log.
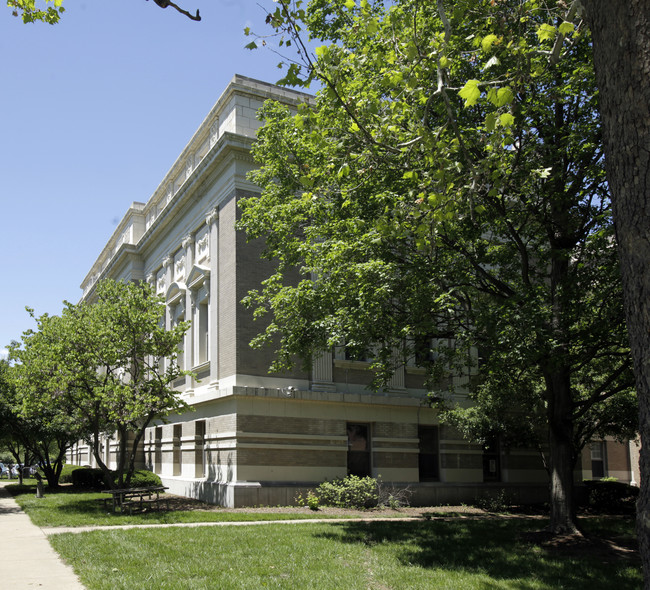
(93, 112)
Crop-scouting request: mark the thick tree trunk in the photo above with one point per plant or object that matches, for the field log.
(621, 39)
(561, 453)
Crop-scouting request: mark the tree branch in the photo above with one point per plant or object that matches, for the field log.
(166, 3)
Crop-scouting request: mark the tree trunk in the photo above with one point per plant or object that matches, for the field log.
(50, 474)
(133, 451)
(123, 435)
(108, 479)
(561, 453)
(621, 41)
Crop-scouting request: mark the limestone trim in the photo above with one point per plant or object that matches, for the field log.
(409, 450)
(212, 217)
(201, 367)
(393, 439)
(176, 294)
(197, 277)
(283, 436)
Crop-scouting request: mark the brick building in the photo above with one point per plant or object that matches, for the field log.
(258, 438)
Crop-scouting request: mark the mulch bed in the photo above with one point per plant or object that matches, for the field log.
(182, 503)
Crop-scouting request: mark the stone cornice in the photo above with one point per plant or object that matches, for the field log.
(209, 145)
(229, 146)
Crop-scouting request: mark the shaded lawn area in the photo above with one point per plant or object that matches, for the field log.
(69, 507)
(449, 554)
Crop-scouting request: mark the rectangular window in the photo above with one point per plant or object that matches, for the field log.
(359, 450)
(203, 333)
(199, 439)
(426, 351)
(428, 459)
(597, 460)
(177, 454)
(157, 465)
(179, 316)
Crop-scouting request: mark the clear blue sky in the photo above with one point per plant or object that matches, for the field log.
(93, 112)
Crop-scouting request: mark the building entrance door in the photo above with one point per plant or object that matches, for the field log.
(492, 461)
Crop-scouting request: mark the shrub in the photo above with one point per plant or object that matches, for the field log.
(609, 496)
(66, 473)
(144, 478)
(310, 499)
(87, 477)
(349, 492)
(494, 502)
(392, 496)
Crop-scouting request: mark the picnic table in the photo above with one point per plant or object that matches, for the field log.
(129, 498)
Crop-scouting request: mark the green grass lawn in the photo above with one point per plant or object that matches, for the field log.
(451, 554)
(66, 507)
(440, 553)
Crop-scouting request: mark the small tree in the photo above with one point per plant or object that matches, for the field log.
(108, 365)
(42, 436)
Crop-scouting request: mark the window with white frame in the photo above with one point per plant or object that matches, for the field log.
(202, 326)
(598, 467)
(178, 316)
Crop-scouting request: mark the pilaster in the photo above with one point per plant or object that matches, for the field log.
(213, 245)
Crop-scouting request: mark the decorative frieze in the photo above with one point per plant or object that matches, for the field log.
(161, 282)
(203, 247)
(179, 267)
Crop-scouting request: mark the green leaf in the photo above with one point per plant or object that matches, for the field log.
(396, 78)
(321, 51)
(470, 92)
(372, 27)
(488, 41)
(504, 96)
(566, 28)
(546, 32)
(506, 119)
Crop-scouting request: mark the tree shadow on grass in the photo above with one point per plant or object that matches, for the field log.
(505, 550)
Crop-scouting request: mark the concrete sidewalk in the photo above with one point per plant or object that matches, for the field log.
(27, 557)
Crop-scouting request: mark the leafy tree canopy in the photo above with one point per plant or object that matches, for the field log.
(42, 437)
(32, 10)
(448, 187)
(106, 365)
